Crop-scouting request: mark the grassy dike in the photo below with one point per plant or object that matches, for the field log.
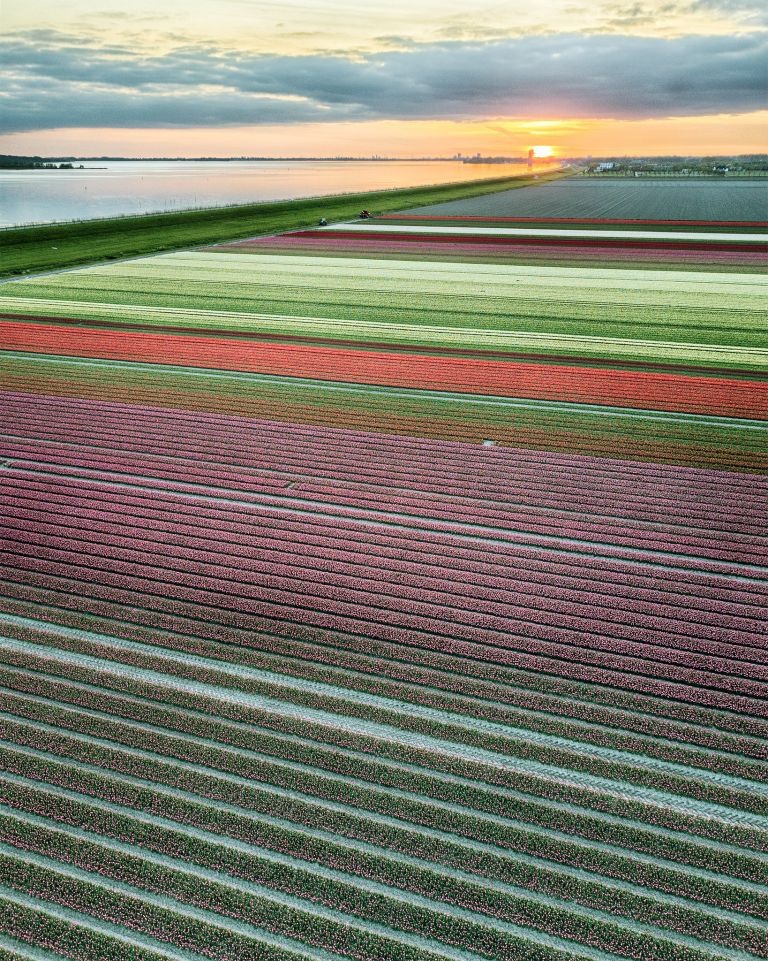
(55, 246)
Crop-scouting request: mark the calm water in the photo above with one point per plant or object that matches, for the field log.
(135, 187)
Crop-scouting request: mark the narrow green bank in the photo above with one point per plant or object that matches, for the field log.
(57, 246)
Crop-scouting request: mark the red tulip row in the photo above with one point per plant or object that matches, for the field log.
(693, 394)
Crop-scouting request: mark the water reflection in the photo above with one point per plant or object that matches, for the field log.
(133, 187)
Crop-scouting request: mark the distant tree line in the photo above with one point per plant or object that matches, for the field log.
(10, 162)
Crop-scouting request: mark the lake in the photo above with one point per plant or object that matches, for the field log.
(137, 187)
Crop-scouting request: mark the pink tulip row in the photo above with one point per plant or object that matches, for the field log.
(588, 538)
(732, 547)
(57, 592)
(384, 449)
(520, 707)
(222, 521)
(389, 618)
(369, 587)
(292, 403)
(566, 757)
(558, 916)
(359, 818)
(733, 634)
(425, 676)
(690, 508)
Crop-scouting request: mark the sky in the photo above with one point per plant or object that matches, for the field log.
(401, 78)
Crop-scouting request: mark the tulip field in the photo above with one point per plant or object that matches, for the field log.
(389, 591)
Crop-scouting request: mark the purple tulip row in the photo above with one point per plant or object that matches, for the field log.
(22, 581)
(441, 551)
(605, 716)
(408, 457)
(67, 937)
(418, 509)
(734, 633)
(289, 602)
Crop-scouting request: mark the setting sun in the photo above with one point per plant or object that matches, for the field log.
(542, 152)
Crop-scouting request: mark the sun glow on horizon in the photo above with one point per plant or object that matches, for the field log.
(542, 152)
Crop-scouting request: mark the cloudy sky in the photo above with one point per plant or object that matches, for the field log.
(405, 77)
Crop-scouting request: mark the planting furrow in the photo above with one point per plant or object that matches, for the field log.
(381, 903)
(519, 743)
(217, 601)
(69, 595)
(559, 832)
(583, 720)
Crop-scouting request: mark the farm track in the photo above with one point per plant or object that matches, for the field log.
(355, 606)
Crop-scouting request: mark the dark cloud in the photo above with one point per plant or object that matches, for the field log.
(59, 81)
